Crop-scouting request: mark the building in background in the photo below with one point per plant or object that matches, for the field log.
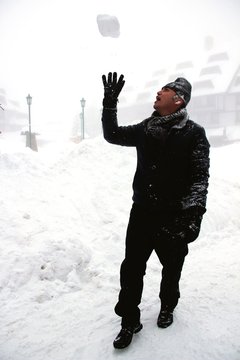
(215, 102)
(12, 118)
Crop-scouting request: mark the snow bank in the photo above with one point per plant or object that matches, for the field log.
(63, 224)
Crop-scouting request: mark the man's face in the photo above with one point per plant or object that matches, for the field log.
(167, 101)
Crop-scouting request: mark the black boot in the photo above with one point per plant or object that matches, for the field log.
(165, 317)
(124, 338)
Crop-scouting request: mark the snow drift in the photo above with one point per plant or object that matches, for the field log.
(63, 222)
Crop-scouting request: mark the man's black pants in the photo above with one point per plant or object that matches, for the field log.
(143, 236)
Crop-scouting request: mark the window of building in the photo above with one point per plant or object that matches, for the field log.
(211, 70)
(238, 99)
(184, 65)
(215, 121)
(205, 84)
(211, 101)
(238, 117)
(218, 57)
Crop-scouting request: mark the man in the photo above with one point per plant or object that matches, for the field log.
(169, 196)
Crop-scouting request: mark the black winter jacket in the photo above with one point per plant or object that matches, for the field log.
(170, 177)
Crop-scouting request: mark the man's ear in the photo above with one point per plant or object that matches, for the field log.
(178, 102)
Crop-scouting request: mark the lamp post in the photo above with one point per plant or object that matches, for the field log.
(83, 102)
(29, 102)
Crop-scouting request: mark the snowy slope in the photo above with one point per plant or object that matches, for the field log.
(63, 222)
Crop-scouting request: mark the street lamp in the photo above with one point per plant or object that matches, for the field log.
(83, 102)
(29, 102)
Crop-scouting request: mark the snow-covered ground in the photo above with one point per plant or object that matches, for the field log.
(63, 219)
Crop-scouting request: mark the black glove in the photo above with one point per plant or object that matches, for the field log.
(188, 224)
(185, 227)
(112, 89)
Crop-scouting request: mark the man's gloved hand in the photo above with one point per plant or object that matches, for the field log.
(112, 89)
(186, 226)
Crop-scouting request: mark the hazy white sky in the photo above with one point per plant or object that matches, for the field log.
(53, 49)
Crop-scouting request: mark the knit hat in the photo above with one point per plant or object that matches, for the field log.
(182, 88)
